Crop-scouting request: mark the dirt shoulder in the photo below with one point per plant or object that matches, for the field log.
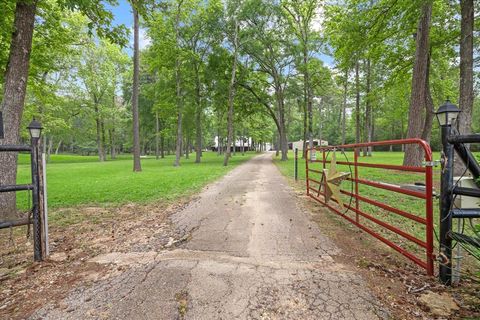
(26, 286)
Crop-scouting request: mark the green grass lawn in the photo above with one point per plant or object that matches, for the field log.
(70, 158)
(82, 180)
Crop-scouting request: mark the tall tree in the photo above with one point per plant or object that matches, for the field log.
(137, 166)
(368, 108)
(357, 102)
(178, 82)
(231, 93)
(466, 66)
(365, 27)
(14, 91)
(420, 111)
(344, 106)
(301, 15)
(267, 46)
(17, 73)
(157, 136)
(96, 67)
(202, 35)
(466, 73)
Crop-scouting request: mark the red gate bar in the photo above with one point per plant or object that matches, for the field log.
(387, 207)
(379, 222)
(427, 221)
(389, 187)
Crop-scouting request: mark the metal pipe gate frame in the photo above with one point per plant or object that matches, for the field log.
(38, 247)
(427, 244)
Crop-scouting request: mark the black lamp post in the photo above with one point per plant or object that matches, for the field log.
(35, 130)
(446, 116)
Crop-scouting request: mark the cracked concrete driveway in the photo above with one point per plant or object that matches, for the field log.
(251, 253)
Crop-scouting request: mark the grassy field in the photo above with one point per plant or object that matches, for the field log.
(24, 159)
(404, 202)
(82, 180)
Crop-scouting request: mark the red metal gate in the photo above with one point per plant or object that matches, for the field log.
(372, 222)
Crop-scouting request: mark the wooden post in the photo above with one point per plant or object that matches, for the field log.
(296, 164)
(42, 173)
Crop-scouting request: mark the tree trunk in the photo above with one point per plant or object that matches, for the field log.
(219, 121)
(429, 107)
(305, 124)
(466, 74)
(368, 110)
(308, 94)
(162, 146)
(198, 116)
(104, 143)
(49, 149)
(281, 121)
(98, 123)
(111, 132)
(466, 67)
(111, 135)
(344, 108)
(357, 103)
(43, 144)
(320, 129)
(157, 138)
(137, 166)
(234, 141)
(57, 149)
(231, 97)
(178, 147)
(276, 138)
(243, 143)
(14, 90)
(416, 115)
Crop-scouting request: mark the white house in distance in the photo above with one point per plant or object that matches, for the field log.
(247, 144)
(299, 144)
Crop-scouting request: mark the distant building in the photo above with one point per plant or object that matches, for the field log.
(299, 144)
(247, 144)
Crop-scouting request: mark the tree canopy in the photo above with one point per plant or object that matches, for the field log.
(216, 72)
